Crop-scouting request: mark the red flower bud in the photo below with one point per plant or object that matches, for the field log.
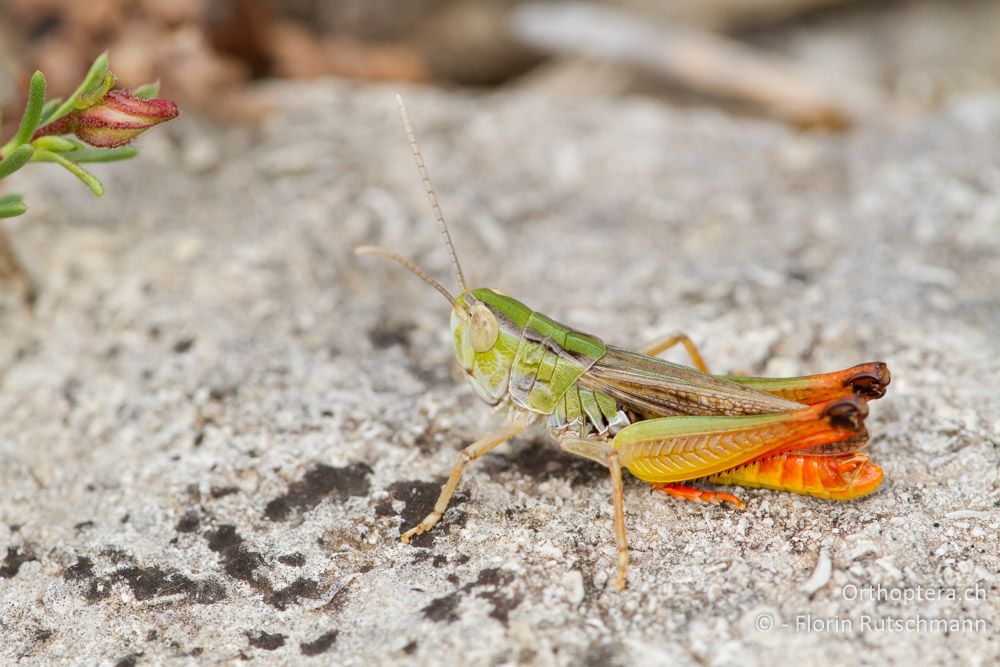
(115, 119)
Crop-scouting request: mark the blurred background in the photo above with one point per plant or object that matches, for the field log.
(800, 185)
(817, 64)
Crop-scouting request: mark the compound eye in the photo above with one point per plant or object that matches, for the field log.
(485, 329)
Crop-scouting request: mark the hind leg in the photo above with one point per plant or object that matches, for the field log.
(697, 495)
(868, 381)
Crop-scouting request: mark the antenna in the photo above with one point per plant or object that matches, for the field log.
(422, 170)
(406, 264)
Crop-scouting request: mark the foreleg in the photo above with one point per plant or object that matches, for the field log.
(469, 454)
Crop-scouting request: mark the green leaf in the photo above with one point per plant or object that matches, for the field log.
(147, 91)
(19, 157)
(85, 176)
(55, 144)
(50, 106)
(94, 96)
(32, 114)
(11, 206)
(95, 76)
(12, 211)
(104, 154)
(96, 72)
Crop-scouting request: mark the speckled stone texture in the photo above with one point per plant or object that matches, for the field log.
(217, 420)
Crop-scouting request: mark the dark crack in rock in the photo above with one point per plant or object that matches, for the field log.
(149, 583)
(130, 660)
(298, 589)
(443, 609)
(239, 561)
(491, 584)
(244, 564)
(266, 640)
(189, 523)
(294, 559)
(16, 557)
(320, 645)
(496, 587)
(317, 484)
(81, 570)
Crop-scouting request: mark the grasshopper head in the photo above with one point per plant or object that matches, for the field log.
(486, 325)
(486, 328)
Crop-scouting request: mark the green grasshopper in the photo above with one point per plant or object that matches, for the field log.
(664, 422)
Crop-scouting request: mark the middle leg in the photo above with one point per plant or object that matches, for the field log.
(618, 499)
(602, 452)
(677, 337)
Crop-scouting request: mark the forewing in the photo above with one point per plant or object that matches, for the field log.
(653, 387)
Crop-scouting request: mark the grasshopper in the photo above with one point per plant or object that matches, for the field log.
(667, 424)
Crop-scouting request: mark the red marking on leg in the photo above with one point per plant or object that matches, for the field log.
(697, 495)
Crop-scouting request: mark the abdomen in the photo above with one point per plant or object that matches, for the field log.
(841, 477)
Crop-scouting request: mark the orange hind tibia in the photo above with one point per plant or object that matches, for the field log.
(697, 495)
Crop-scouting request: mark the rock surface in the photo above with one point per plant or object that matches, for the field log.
(217, 420)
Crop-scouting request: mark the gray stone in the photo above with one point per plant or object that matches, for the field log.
(217, 420)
